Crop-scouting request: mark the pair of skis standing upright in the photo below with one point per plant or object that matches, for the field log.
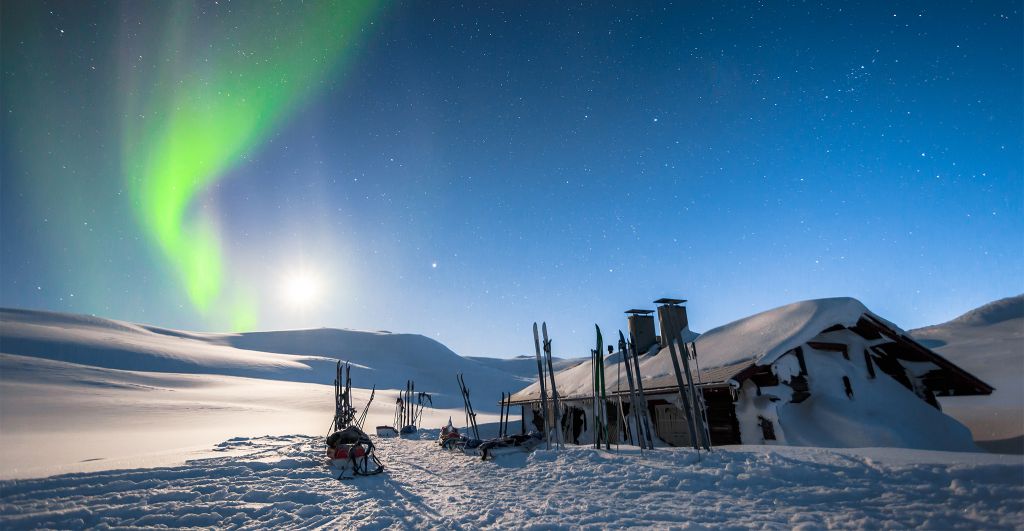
(549, 426)
(637, 399)
(691, 397)
(600, 402)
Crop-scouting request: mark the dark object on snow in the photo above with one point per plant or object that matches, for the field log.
(506, 445)
(387, 431)
(348, 448)
(767, 428)
(848, 387)
(450, 438)
(538, 420)
(575, 422)
(351, 450)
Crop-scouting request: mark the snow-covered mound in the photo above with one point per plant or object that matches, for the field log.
(84, 393)
(988, 342)
(280, 482)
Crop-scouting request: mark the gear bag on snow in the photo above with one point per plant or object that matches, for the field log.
(351, 450)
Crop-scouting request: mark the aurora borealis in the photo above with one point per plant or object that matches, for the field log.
(212, 101)
(461, 171)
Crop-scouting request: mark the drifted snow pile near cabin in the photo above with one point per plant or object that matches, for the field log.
(826, 372)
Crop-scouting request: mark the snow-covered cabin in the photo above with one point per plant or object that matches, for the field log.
(825, 372)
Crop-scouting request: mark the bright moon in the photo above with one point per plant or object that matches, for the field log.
(301, 289)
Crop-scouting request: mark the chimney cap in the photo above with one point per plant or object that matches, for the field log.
(639, 312)
(670, 301)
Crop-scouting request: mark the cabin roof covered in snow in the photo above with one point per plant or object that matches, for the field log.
(728, 350)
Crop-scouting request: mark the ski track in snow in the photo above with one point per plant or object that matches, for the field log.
(283, 482)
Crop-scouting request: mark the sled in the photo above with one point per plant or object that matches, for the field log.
(450, 438)
(508, 445)
(350, 453)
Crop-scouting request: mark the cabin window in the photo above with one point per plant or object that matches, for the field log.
(868, 362)
(848, 387)
(767, 428)
(800, 359)
(830, 347)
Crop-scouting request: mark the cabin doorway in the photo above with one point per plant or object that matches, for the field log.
(671, 425)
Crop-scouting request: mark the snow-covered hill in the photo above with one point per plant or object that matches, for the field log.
(383, 359)
(84, 393)
(989, 343)
(525, 367)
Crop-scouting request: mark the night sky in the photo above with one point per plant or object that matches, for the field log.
(461, 171)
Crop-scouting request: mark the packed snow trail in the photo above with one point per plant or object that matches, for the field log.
(282, 482)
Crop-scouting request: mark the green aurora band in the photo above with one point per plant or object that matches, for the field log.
(212, 103)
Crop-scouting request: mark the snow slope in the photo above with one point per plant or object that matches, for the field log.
(381, 358)
(525, 367)
(81, 393)
(989, 343)
(281, 482)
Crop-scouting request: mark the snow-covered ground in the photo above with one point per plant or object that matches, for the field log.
(282, 482)
(989, 343)
(80, 393)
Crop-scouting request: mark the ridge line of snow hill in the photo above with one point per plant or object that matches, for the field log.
(525, 367)
(383, 359)
(993, 313)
